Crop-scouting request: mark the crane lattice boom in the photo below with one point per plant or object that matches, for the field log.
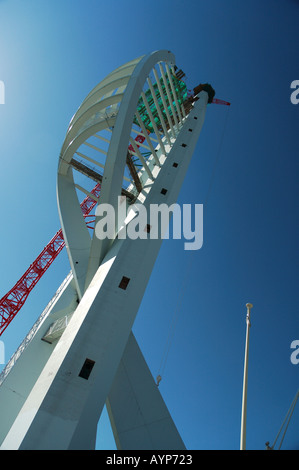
(13, 301)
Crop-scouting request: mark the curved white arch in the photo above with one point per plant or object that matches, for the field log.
(80, 123)
(116, 158)
(108, 113)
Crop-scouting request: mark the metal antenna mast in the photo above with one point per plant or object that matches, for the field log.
(245, 381)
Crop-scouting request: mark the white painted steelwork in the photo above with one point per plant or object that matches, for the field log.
(56, 390)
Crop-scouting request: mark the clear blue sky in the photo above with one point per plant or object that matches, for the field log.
(52, 53)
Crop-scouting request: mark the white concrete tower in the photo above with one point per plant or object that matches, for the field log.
(133, 135)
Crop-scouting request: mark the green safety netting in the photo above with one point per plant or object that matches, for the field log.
(181, 92)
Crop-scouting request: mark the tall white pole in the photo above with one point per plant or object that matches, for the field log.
(245, 379)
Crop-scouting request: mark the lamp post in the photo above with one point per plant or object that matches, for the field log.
(245, 379)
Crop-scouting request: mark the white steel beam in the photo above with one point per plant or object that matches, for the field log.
(147, 138)
(91, 160)
(87, 193)
(161, 117)
(174, 92)
(169, 96)
(153, 122)
(95, 148)
(102, 138)
(164, 104)
(142, 159)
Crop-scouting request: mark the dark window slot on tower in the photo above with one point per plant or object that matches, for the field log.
(124, 283)
(184, 145)
(163, 191)
(175, 165)
(86, 369)
(190, 130)
(147, 228)
(195, 117)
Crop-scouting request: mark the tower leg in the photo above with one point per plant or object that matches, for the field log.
(137, 411)
(79, 374)
(139, 417)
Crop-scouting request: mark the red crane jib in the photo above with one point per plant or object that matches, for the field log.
(14, 300)
(218, 101)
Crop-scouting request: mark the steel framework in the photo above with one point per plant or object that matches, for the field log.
(134, 136)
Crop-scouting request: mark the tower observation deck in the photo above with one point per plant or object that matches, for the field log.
(129, 143)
